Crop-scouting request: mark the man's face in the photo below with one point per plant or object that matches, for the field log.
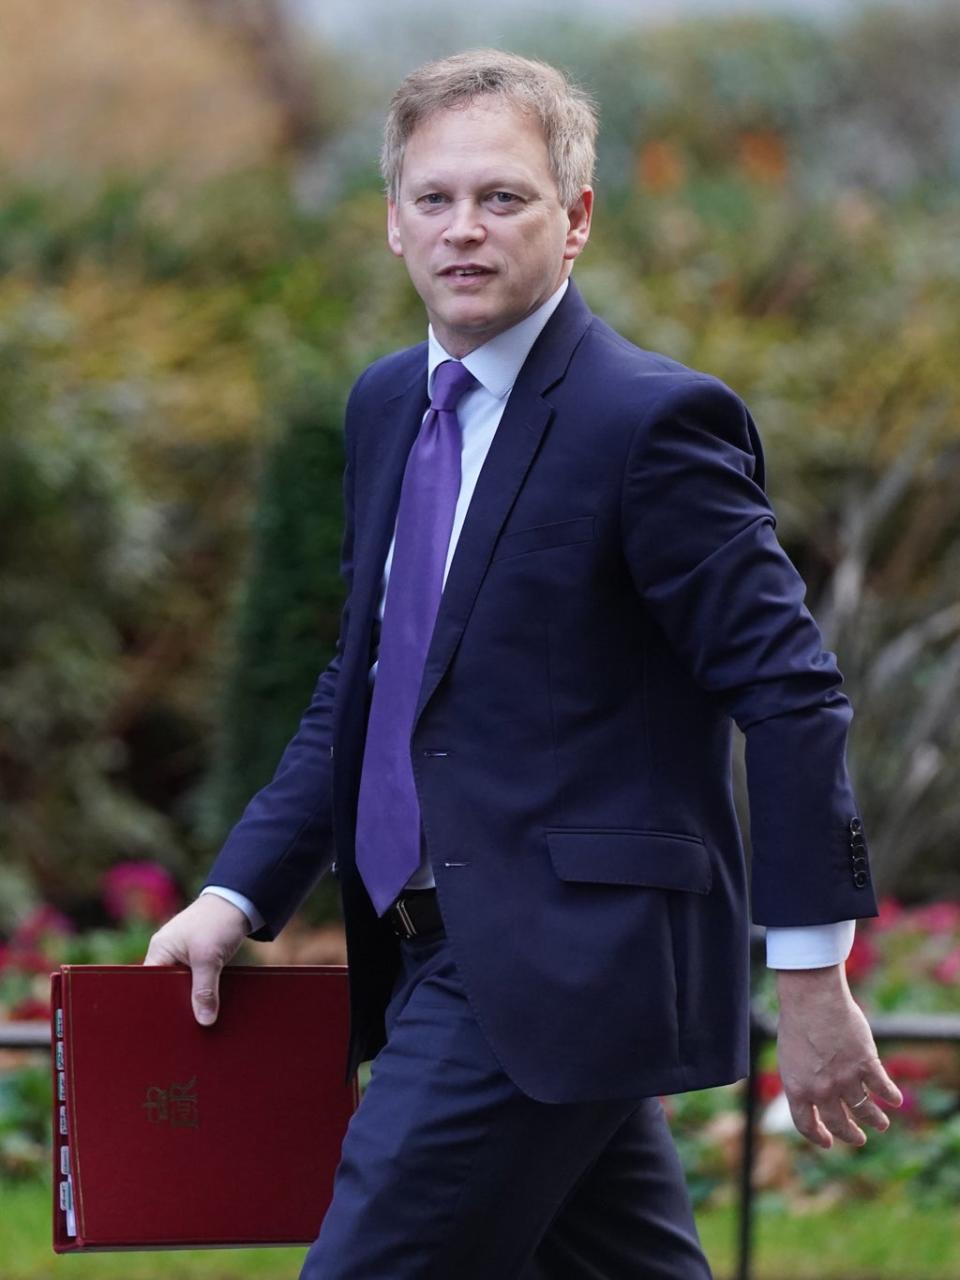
(479, 221)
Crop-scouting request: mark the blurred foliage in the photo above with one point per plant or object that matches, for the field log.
(287, 613)
(779, 205)
(25, 1107)
(872, 102)
(178, 90)
(80, 542)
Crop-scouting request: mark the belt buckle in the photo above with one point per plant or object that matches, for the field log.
(400, 907)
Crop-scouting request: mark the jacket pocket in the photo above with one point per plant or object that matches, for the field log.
(543, 536)
(658, 859)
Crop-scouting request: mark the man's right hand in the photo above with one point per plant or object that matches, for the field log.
(204, 936)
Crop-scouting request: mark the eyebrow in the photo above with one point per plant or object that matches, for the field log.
(495, 181)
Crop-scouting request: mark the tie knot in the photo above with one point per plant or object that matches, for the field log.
(451, 381)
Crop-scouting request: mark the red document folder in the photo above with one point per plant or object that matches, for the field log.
(167, 1134)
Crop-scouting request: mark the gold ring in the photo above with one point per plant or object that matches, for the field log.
(865, 1098)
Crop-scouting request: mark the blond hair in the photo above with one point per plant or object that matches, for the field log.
(566, 113)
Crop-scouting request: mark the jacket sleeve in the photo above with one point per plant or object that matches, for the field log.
(700, 542)
(283, 842)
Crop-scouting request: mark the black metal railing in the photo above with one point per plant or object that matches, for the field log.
(24, 1035)
(938, 1028)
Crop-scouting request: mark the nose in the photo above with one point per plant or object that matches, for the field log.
(465, 225)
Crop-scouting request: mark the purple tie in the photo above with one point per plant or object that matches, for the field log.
(388, 811)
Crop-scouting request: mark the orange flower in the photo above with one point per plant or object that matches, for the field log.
(762, 156)
(661, 166)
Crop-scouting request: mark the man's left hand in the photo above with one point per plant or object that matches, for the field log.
(827, 1058)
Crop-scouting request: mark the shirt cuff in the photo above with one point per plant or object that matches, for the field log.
(238, 900)
(810, 946)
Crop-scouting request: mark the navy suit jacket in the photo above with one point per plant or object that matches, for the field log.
(616, 600)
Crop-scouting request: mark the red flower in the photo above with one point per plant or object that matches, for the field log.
(890, 913)
(769, 1086)
(862, 958)
(22, 960)
(901, 1067)
(39, 924)
(948, 970)
(938, 917)
(140, 891)
(30, 1009)
(909, 1110)
(29, 949)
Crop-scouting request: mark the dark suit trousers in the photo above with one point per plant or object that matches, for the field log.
(449, 1172)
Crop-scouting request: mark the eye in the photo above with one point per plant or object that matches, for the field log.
(504, 197)
(431, 199)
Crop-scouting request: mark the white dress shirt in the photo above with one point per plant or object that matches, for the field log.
(495, 366)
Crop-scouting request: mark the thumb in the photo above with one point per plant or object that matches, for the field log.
(206, 991)
(161, 953)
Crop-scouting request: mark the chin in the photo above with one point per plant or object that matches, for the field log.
(467, 322)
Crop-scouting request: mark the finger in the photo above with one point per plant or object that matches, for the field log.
(808, 1123)
(838, 1120)
(877, 1081)
(868, 1113)
(205, 992)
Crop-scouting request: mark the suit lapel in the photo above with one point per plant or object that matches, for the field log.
(514, 447)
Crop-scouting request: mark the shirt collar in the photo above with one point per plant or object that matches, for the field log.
(496, 364)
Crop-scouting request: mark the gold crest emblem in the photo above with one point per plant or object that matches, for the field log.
(176, 1106)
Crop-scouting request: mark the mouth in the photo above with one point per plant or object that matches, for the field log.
(466, 271)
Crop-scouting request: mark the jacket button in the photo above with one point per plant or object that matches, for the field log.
(856, 826)
(860, 879)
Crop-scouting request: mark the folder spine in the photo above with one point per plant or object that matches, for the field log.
(64, 1213)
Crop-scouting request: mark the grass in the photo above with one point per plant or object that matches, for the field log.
(860, 1241)
(26, 1254)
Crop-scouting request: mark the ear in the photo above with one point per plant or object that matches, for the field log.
(393, 229)
(579, 217)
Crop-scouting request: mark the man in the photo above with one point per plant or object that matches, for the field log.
(543, 884)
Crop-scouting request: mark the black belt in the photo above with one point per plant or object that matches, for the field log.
(416, 914)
